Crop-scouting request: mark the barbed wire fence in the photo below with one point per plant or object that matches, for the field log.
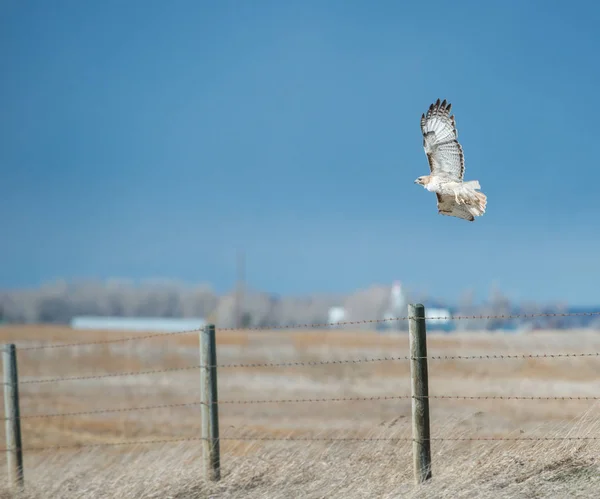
(209, 401)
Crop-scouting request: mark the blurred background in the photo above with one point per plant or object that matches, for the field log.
(252, 163)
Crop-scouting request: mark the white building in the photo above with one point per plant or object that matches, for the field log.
(150, 324)
(397, 306)
(336, 314)
(437, 316)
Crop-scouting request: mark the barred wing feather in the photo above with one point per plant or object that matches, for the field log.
(440, 141)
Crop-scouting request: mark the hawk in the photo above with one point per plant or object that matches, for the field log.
(455, 198)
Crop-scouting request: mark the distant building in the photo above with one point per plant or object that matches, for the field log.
(336, 314)
(396, 307)
(435, 316)
(151, 324)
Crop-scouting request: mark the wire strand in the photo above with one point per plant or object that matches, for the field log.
(309, 400)
(313, 364)
(108, 375)
(115, 340)
(405, 318)
(307, 439)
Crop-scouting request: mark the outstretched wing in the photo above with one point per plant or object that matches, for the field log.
(442, 148)
(447, 206)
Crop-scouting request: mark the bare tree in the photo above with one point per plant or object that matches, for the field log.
(58, 302)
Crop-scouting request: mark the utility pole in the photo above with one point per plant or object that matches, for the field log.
(239, 291)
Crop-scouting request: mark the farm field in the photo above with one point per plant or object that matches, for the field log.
(372, 466)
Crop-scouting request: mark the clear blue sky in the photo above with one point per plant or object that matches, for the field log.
(151, 139)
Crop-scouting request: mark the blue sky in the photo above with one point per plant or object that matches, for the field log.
(149, 139)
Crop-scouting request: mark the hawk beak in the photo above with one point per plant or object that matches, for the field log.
(416, 181)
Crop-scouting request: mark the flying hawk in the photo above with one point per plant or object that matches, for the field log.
(455, 198)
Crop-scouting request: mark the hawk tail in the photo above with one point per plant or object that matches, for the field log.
(476, 201)
(481, 203)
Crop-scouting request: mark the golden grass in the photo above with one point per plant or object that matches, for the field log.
(306, 469)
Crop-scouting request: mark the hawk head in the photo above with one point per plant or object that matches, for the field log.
(424, 180)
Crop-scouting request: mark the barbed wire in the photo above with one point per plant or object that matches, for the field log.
(513, 356)
(105, 411)
(199, 366)
(313, 363)
(405, 318)
(112, 340)
(305, 439)
(308, 400)
(108, 375)
(408, 357)
(512, 397)
(317, 325)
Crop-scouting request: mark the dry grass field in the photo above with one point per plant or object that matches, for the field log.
(307, 469)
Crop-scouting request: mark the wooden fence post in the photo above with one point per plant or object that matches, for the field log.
(420, 393)
(14, 451)
(210, 406)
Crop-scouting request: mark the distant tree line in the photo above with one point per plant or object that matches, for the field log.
(59, 302)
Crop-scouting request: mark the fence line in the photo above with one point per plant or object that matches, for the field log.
(312, 364)
(316, 325)
(120, 409)
(408, 317)
(308, 439)
(408, 357)
(115, 340)
(209, 403)
(109, 375)
(308, 401)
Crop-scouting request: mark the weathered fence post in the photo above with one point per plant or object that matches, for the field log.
(209, 404)
(420, 393)
(14, 451)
